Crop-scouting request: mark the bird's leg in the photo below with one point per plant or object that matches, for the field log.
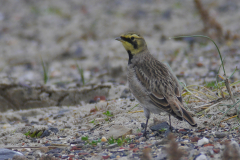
(170, 122)
(147, 115)
(145, 131)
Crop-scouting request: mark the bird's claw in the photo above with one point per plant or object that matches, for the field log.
(145, 135)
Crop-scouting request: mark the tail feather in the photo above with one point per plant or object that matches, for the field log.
(181, 113)
(189, 118)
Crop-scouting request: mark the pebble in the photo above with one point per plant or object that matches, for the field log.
(48, 132)
(202, 141)
(112, 145)
(201, 157)
(8, 154)
(130, 136)
(160, 127)
(117, 131)
(220, 134)
(131, 145)
(104, 139)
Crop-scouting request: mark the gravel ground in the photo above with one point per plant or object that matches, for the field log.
(98, 118)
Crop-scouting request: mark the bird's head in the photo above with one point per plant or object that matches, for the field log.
(133, 43)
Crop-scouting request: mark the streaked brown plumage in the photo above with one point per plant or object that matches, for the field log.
(152, 82)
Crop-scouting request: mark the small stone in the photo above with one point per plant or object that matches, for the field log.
(160, 127)
(48, 132)
(216, 150)
(132, 145)
(106, 157)
(126, 93)
(104, 139)
(117, 131)
(18, 157)
(113, 156)
(44, 149)
(112, 145)
(100, 98)
(92, 101)
(220, 134)
(183, 131)
(9, 154)
(130, 136)
(6, 126)
(202, 141)
(162, 156)
(201, 157)
(208, 144)
(121, 149)
(132, 99)
(185, 137)
(75, 148)
(82, 153)
(71, 156)
(135, 149)
(68, 126)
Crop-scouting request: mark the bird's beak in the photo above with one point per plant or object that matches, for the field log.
(118, 39)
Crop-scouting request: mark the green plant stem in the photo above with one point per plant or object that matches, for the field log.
(80, 70)
(45, 72)
(132, 108)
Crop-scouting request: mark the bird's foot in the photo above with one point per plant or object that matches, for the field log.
(172, 129)
(145, 135)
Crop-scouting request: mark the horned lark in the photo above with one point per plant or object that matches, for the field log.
(152, 82)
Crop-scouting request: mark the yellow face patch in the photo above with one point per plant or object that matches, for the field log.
(132, 42)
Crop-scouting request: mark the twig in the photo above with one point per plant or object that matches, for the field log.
(212, 106)
(205, 105)
(136, 111)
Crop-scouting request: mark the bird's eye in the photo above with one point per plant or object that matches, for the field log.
(132, 38)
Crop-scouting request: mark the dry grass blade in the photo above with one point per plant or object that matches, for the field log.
(210, 107)
(230, 109)
(132, 108)
(229, 90)
(229, 118)
(234, 83)
(185, 88)
(203, 106)
(136, 111)
(205, 89)
(211, 97)
(226, 81)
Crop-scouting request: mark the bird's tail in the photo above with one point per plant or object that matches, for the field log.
(180, 112)
(187, 116)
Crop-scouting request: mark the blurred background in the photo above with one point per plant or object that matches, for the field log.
(75, 39)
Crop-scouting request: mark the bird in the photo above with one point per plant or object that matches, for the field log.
(152, 82)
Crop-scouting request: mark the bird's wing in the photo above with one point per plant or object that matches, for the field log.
(162, 87)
